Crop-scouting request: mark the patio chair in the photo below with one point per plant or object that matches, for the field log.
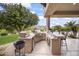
(18, 46)
(64, 39)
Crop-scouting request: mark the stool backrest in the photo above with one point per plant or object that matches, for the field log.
(66, 34)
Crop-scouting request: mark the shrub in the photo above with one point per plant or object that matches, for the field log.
(3, 33)
(42, 29)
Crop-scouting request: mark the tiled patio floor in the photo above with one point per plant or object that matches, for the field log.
(42, 49)
(73, 48)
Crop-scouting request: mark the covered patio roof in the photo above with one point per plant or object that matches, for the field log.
(61, 10)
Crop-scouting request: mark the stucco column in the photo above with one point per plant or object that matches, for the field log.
(47, 24)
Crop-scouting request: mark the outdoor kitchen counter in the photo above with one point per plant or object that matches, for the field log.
(54, 44)
(32, 39)
(29, 43)
(39, 37)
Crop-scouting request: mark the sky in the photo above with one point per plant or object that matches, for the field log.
(37, 8)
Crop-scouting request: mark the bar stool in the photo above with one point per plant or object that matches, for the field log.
(64, 39)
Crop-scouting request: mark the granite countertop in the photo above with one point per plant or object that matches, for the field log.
(58, 35)
(54, 35)
(51, 36)
(30, 36)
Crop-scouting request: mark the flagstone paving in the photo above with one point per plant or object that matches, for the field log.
(42, 49)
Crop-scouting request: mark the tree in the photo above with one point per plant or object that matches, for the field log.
(65, 29)
(17, 17)
(1, 20)
(72, 27)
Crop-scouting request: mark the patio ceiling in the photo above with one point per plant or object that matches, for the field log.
(62, 10)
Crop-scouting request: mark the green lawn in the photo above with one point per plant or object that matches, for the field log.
(8, 39)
